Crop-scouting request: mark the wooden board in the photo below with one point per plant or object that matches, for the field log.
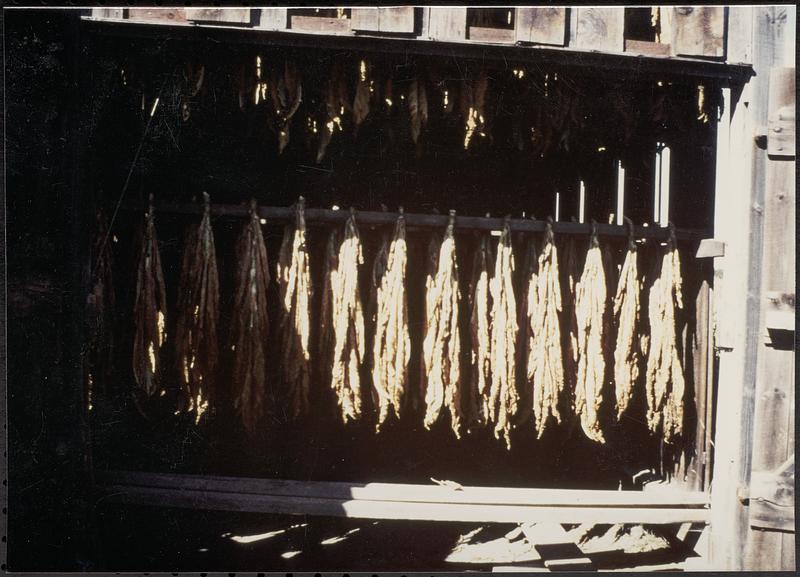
(491, 35)
(273, 19)
(224, 15)
(601, 29)
(782, 125)
(411, 493)
(647, 48)
(157, 14)
(320, 24)
(415, 511)
(541, 25)
(108, 13)
(392, 20)
(447, 23)
(698, 31)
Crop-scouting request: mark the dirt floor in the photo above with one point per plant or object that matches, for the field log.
(147, 539)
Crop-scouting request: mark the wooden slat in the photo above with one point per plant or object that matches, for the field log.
(415, 511)
(447, 23)
(491, 35)
(274, 19)
(601, 29)
(698, 31)
(416, 220)
(319, 24)
(782, 116)
(157, 14)
(541, 25)
(108, 13)
(411, 493)
(366, 19)
(648, 48)
(227, 15)
(392, 20)
(398, 19)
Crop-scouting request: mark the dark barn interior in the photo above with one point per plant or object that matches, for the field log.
(100, 121)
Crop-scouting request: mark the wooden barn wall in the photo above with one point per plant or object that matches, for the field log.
(749, 185)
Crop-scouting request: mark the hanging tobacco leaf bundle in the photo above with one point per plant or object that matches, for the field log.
(327, 339)
(348, 323)
(480, 330)
(473, 107)
(392, 346)
(626, 319)
(545, 361)
(101, 303)
(365, 88)
(665, 383)
(250, 329)
(417, 107)
(196, 344)
(503, 394)
(149, 312)
(590, 305)
(337, 104)
(287, 94)
(442, 344)
(294, 281)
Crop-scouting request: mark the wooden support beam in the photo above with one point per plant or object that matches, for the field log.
(398, 492)
(227, 15)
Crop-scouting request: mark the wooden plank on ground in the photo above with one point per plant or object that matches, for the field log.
(157, 14)
(223, 15)
(541, 25)
(601, 29)
(415, 511)
(412, 493)
(699, 31)
(558, 551)
(447, 23)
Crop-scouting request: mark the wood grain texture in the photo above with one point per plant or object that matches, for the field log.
(226, 15)
(320, 24)
(367, 19)
(491, 35)
(157, 14)
(274, 18)
(392, 20)
(601, 29)
(447, 23)
(108, 13)
(782, 115)
(541, 25)
(698, 31)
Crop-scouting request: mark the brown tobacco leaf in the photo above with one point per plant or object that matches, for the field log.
(196, 343)
(250, 328)
(149, 312)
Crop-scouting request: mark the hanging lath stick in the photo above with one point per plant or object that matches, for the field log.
(294, 281)
(196, 344)
(149, 312)
(442, 344)
(392, 345)
(250, 330)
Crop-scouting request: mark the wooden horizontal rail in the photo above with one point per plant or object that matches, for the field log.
(410, 502)
(413, 220)
(499, 54)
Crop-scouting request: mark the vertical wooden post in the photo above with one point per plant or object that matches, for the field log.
(620, 193)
